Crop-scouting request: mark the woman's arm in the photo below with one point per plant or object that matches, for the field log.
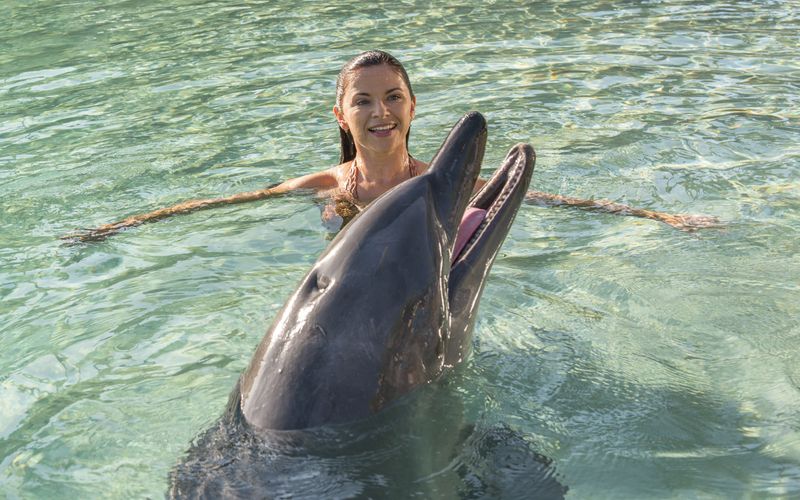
(102, 232)
(317, 181)
(685, 222)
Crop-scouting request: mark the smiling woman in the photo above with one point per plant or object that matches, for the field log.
(374, 108)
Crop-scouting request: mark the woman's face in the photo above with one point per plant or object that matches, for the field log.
(377, 109)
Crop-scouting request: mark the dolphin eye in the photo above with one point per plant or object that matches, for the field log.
(322, 282)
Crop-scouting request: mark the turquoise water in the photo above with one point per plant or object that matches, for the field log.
(644, 361)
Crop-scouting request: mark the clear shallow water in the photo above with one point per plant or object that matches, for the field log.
(645, 362)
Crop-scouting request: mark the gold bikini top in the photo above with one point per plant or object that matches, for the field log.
(351, 185)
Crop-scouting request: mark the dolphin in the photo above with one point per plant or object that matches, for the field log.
(386, 308)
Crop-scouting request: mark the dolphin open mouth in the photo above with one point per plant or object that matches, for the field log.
(486, 223)
(494, 200)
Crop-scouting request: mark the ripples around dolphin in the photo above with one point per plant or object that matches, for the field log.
(421, 446)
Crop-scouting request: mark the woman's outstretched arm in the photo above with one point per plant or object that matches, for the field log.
(318, 181)
(102, 232)
(685, 222)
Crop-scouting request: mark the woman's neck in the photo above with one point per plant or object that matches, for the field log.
(372, 175)
(376, 169)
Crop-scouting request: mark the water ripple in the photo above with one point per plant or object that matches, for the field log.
(639, 359)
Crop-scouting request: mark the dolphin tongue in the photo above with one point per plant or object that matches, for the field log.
(469, 224)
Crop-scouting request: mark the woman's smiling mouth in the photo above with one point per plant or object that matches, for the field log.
(383, 130)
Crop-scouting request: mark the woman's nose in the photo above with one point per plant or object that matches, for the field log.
(380, 108)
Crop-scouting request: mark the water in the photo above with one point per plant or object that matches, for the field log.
(644, 361)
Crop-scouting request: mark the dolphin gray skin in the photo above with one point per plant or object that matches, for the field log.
(382, 312)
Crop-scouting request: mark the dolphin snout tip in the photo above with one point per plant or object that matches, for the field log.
(524, 149)
(476, 118)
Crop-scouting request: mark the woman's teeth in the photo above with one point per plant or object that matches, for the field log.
(382, 128)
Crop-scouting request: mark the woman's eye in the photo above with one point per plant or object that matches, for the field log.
(395, 97)
(361, 102)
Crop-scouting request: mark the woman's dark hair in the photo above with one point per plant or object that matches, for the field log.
(364, 60)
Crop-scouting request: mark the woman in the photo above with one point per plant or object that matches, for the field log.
(374, 109)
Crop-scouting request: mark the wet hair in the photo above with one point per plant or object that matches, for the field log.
(364, 60)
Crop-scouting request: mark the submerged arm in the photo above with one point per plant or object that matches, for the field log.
(317, 181)
(102, 232)
(685, 222)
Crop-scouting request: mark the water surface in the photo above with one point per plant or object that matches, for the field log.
(644, 361)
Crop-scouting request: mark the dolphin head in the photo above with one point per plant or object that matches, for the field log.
(372, 319)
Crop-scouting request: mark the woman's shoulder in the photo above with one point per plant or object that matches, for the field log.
(322, 180)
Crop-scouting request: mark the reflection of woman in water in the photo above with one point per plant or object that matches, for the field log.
(374, 109)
